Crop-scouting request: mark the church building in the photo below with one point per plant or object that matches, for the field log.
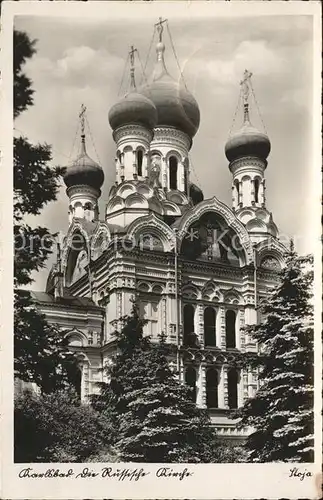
(198, 267)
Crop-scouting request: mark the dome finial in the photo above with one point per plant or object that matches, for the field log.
(132, 69)
(160, 47)
(245, 90)
(82, 120)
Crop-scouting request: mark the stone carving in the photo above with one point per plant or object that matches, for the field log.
(270, 263)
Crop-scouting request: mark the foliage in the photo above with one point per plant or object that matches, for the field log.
(281, 413)
(40, 354)
(155, 418)
(57, 428)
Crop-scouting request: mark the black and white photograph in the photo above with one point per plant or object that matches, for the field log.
(166, 248)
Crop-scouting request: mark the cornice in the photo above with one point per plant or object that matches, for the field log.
(173, 135)
(132, 132)
(245, 162)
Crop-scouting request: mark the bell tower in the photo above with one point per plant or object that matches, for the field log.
(247, 151)
(132, 119)
(83, 179)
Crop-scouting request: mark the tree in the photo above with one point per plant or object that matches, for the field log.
(41, 355)
(281, 413)
(154, 415)
(58, 428)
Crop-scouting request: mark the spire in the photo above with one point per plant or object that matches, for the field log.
(132, 69)
(82, 120)
(160, 67)
(245, 91)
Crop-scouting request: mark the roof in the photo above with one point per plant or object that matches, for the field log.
(46, 298)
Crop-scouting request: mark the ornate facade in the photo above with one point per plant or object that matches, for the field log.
(198, 267)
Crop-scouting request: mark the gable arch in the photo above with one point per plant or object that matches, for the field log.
(226, 218)
(152, 225)
(100, 240)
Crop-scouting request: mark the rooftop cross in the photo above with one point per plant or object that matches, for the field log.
(245, 87)
(132, 67)
(160, 28)
(82, 119)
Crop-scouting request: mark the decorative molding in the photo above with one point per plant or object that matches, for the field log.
(132, 132)
(214, 205)
(168, 135)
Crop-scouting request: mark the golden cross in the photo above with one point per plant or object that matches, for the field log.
(160, 28)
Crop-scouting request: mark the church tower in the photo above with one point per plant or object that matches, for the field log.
(247, 151)
(178, 119)
(132, 120)
(83, 179)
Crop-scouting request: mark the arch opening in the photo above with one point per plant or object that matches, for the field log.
(212, 381)
(188, 326)
(233, 380)
(173, 166)
(140, 156)
(209, 326)
(230, 328)
(190, 380)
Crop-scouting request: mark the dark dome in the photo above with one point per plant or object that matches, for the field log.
(176, 106)
(133, 108)
(248, 141)
(195, 193)
(85, 171)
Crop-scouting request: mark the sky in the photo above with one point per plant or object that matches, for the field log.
(82, 60)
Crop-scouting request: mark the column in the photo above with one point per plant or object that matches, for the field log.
(164, 173)
(225, 386)
(222, 344)
(199, 324)
(221, 397)
(240, 388)
(241, 332)
(134, 165)
(180, 176)
(252, 191)
(262, 194)
(202, 386)
(218, 328)
(145, 169)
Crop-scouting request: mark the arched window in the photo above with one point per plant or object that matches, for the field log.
(256, 184)
(233, 379)
(140, 156)
(190, 380)
(209, 326)
(230, 328)
(188, 313)
(212, 381)
(173, 172)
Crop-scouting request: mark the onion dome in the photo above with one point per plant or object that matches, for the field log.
(84, 171)
(248, 141)
(195, 193)
(176, 106)
(134, 108)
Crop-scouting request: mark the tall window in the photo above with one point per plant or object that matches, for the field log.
(173, 172)
(230, 328)
(188, 313)
(139, 162)
(256, 184)
(209, 326)
(190, 380)
(233, 379)
(212, 381)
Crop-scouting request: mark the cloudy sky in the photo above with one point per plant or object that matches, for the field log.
(82, 61)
